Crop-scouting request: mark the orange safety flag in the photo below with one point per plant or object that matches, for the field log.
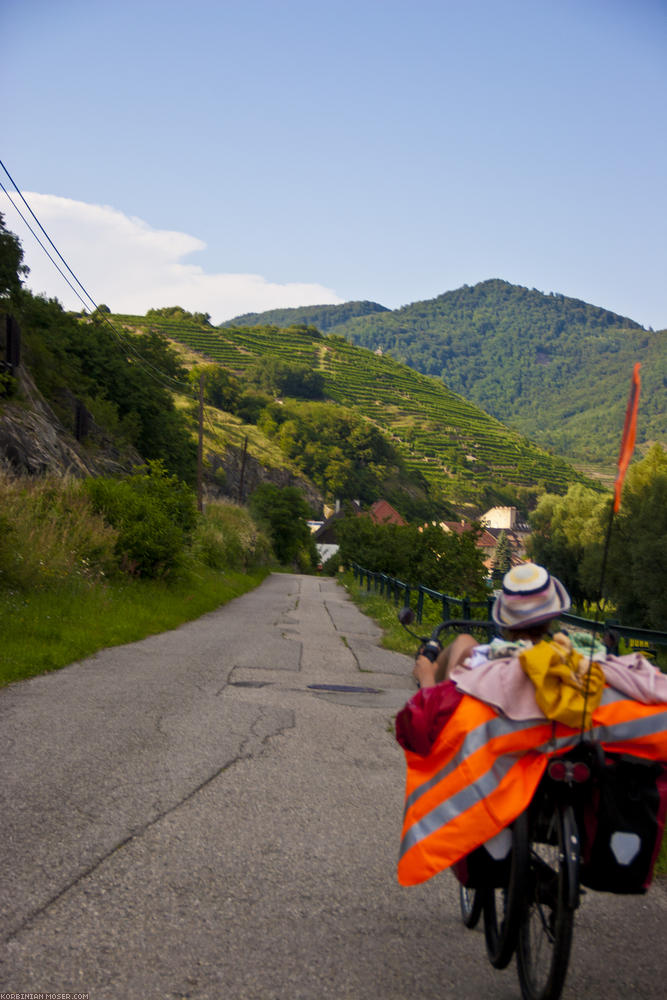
(628, 439)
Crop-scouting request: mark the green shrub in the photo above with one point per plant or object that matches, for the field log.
(154, 514)
(8, 385)
(332, 565)
(227, 538)
(284, 512)
(48, 532)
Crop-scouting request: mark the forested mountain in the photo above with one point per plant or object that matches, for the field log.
(325, 318)
(556, 368)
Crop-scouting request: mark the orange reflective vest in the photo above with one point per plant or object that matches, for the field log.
(483, 770)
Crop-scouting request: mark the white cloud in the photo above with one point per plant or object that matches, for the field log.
(124, 262)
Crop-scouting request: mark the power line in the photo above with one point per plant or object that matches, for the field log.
(60, 271)
(20, 194)
(149, 368)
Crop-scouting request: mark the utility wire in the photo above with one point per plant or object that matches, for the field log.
(167, 381)
(20, 194)
(59, 269)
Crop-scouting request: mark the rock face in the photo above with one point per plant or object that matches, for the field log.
(33, 441)
(235, 478)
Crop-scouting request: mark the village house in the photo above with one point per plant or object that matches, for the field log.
(495, 522)
(326, 542)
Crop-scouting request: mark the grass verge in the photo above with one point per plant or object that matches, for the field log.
(50, 628)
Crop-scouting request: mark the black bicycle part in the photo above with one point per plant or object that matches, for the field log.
(552, 893)
(503, 907)
(471, 902)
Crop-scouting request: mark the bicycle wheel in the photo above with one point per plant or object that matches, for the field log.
(503, 908)
(471, 902)
(545, 935)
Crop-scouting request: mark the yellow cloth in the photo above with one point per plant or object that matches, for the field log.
(560, 676)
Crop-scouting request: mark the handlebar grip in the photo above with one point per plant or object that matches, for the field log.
(430, 650)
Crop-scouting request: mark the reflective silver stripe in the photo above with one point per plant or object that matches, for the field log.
(472, 742)
(631, 729)
(483, 786)
(459, 803)
(610, 695)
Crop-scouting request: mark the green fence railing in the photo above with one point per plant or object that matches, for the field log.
(452, 607)
(463, 607)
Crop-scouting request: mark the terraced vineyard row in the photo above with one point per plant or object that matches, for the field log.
(449, 440)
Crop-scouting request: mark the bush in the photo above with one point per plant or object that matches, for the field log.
(332, 564)
(227, 538)
(49, 531)
(284, 512)
(154, 514)
(426, 555)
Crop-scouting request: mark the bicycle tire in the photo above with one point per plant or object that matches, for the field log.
(503, 908)
(471, 902)
(545, 935)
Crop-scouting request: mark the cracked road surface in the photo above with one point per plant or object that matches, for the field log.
(191, 817)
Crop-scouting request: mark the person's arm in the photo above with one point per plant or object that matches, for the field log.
(427, 673)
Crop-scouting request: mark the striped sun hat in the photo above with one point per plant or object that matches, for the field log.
(530, 595)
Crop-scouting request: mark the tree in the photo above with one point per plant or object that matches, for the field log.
(635, 574)
(284, 378)
(502, 559)
(449, 563)
(221, 388)
(125, 382)
(284, 513)
(154, 514)
(12, 268)
(565, 531)
(569, 534)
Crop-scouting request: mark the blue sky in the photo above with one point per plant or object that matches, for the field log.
(237, 155)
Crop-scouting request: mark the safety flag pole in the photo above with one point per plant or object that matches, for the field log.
(625, 454)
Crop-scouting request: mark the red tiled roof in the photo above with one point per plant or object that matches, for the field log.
(383, 513)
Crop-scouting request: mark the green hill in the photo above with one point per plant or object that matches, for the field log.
(555, 368)
(464, 455)
(324, 317)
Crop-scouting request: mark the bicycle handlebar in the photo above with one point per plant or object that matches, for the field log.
(431, 645)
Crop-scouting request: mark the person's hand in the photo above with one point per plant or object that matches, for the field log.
(424, 671)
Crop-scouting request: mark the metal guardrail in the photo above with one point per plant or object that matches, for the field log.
(452, 607)
(638, 638)
(463, 607)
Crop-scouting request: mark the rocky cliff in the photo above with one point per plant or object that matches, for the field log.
(33, 441)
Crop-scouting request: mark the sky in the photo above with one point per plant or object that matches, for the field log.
(233, 156)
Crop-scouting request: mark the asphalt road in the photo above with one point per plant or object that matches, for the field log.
(188, 816)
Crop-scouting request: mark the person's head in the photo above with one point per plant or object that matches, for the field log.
(530, 600)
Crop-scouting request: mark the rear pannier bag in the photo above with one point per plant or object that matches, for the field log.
(622, 825)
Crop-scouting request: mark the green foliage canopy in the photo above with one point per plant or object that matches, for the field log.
(285, 512)
(282, 378)
(177, 312)
(343, 454)
(12, 268)
(221, 388)
(126, 382)
(443, 561)
(568, 535)
(637, 562)
(154, 514)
